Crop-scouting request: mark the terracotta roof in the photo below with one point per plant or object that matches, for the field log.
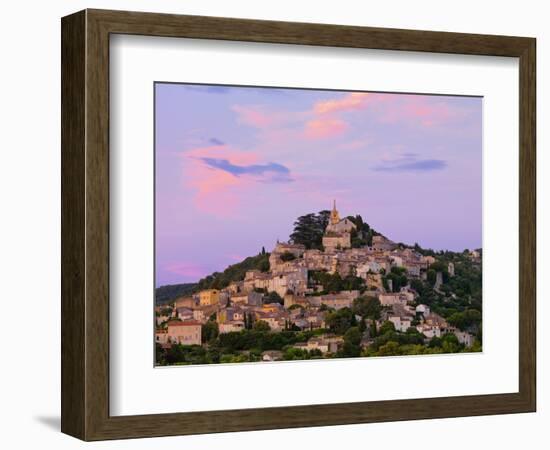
(176, 323)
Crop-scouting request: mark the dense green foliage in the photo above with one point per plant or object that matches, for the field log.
(392, 343)
(341, 320)
(367, 307)
(235, 272)
(309, 229)
(292, 353)
(459, 298)
(363, 233)
(334, 282)
(209, 331)
(166, 294)
(261, 325)
(352, 343)
(273, 297)
(397, 277)
(241, 346)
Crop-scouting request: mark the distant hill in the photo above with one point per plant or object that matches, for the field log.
(235, 272)
(217, 280)
(166, 294)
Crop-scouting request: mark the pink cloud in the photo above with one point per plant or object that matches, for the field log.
(222, 177)
(390, 108)
(186, 269)
(332, 118)
(430, 114)
(350, 102)
(324, 128)
(215, 191)
(418, 109)
(254, 116)
(327, 114)
(323, 120)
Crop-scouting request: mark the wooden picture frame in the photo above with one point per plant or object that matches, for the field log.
(85, 224)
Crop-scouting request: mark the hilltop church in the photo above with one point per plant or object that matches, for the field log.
(338, 232)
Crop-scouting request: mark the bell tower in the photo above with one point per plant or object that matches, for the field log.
(334, 216)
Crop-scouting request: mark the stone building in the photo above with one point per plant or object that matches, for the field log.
(185, 333)
(250, 298)
(339, 300)
(185, 302)
(230, 327)
(381, 243)
(209, 297)
(338, 232)
(277, 257)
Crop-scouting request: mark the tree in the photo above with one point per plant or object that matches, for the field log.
(340, 321)
(273, 297)
(293, 353)
(334, 282)
(432, 276)
(372, 329)
(352, 343)
(386, 327)
(159, 355)
(309, 229)
(397, 277)
(450, 344)
(248, 321)
(390, 348)
(470, 318)
(367, 307)
(417, 285)
(209, 331)
(261, 325)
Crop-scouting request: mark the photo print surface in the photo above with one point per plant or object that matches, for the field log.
(303, 224)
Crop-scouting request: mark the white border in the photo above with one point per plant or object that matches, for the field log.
(138, 388)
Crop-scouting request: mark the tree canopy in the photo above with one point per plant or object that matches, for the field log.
(309, 229)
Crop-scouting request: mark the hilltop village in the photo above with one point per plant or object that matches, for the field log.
(354, 293)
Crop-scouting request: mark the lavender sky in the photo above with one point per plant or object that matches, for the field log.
(235, 166)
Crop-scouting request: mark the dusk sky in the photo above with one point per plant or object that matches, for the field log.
(235, 166)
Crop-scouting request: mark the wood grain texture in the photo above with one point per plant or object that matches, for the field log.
(527, 224)
(85, 224)
(73, 226)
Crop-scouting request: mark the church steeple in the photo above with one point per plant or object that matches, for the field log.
(334, 216)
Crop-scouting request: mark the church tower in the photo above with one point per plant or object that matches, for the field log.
(334, 216)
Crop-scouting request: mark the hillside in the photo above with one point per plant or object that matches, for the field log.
(308, 230)
(217, 280)
(165, 294)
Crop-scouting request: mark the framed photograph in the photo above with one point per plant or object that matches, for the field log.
(273, 225)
